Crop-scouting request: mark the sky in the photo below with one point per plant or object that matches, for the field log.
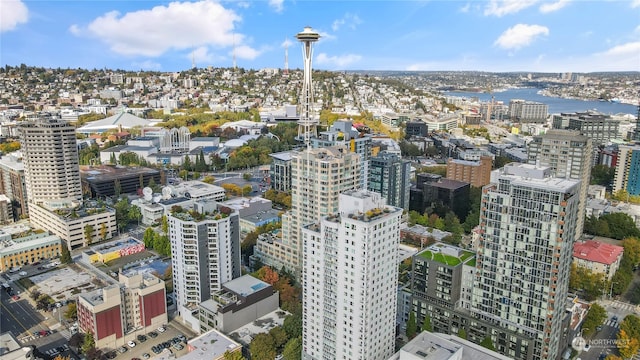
(442, 35)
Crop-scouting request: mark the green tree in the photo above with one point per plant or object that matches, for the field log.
(602, 175)
(88, 343)
(103, 231)
(292, 325)
(65, 255)
(426, 324)
(236, 355)
(279, 336)
(122, 212)
(262, 347)
(72, 311)
(631, 325)
(412, 327)
(594, 318)
(165, 224)
(88, 233)
(293, 349)
(149, 237)
(246, 176)
(488, 343)
(134, 214)
(462, 333)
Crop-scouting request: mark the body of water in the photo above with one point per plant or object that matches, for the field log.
(556, 104)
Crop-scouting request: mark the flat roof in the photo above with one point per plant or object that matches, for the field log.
(245, 285)
(115, 245)
(209, 345)
(28, 242)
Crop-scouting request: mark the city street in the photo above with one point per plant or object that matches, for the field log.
(19, 316)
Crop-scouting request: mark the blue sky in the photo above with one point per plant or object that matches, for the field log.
(490, 35)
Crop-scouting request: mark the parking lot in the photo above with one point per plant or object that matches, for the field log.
(143, 349)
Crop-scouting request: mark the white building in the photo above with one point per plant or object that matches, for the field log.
(50, 157)
(349, 280)
(318, 176)
(205, 253)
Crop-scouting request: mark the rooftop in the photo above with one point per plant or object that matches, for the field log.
(210, 345)
(446, 254)
(595, 251)
(245, 285)
(115, 245)
(111, 172)
(437, 346)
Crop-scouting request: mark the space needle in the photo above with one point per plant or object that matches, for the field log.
(307, 123)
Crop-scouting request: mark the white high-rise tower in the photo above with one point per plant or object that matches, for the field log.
(307, 123)
(52, 173)
(350, 266)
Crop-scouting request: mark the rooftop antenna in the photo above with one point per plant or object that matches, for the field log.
(286, 57)
(235, 65)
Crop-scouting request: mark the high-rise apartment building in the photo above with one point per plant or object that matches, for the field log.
(54, 188)
(476, 173)
(342, 133)
(528, 111)
(568, 154)
(390, 176)
(12, 183)
(50, 156)
(528, 222)
(350, 279)
(600, 128)
(205, 253)
(318, 176)
(628, 170)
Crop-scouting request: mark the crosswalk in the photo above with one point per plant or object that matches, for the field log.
(623, 306)
(612, 323)
(55, 351)
(65, 333)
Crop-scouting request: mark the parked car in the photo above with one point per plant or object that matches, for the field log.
(146, 356)
(178, 346)
(131, 344)
(15, 297)
(152, 334)
(122, 350)
(161, 329)
(141, 338)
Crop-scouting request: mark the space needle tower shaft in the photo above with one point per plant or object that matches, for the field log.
(307, 123)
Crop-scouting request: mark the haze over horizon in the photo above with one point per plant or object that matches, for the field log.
(493, 36)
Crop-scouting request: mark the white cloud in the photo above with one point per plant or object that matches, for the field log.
(520, 35)
(12, 13)
(247, 52)
(325, 36)
(551, 7)
(424, 66)
(243, 4)
(201, 55)
(631, 49)
(504, 7)
(75, 30)
(146, 65)
(277, 5)
(286, 43)
(351, 20)
(465, 8)
(635, 3)
(337, 61)
(162, 28)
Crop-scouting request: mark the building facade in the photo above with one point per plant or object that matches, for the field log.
(280, 171)
(476, 173)
(349, 280)
(569, 155)
(119, 312)
(433, 190)
(528, 111)
(528, 222)
(205, 253)
(318, 176)
(599, 257)
(627, 175)
(240, 302)
(50, 157)
(12, 184)
(27, 249)
(390, 176)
